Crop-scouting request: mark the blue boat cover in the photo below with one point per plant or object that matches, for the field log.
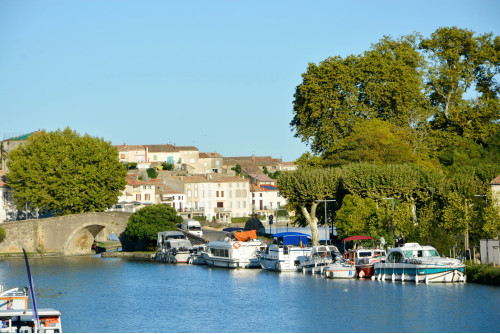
(292, 238)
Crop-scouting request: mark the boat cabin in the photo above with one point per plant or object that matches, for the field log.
(21, 321)
(13, 299)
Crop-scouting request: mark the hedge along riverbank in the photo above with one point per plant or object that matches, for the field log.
(483, 274)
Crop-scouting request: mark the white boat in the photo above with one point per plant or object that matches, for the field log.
(13, 299)
(195, 256)
(340, 268)
(413, 262)
(320, 257)
(285, 248)
(21, 321)
(173, 247)
(239, 253)
(15, 317)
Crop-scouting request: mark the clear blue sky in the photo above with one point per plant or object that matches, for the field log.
(218, 75)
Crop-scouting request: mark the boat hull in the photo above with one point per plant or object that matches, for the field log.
(340, 270)
(217, 262)
(420, 273)
(365, 271)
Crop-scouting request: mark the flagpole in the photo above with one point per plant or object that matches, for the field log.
(32, 293)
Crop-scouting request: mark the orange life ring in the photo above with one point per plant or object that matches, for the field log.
(236, 245)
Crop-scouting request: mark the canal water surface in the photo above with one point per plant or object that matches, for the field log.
(97, 294)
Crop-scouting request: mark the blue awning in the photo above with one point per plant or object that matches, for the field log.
(295, 240)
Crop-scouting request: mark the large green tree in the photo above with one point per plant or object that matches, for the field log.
(386, 83)
(147, 222)
(304, 190)
(65, 173)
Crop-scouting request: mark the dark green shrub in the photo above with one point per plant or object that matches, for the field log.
(483, 274)
(3, 234)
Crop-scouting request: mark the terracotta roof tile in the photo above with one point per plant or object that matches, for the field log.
(215, 178)
(210, 155)
(496, 180)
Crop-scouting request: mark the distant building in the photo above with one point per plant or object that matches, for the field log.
(221, 196)
(8, 145)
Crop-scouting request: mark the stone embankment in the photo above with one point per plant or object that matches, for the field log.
(129, 255)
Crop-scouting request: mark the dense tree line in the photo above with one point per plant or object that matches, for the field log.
(415, 120)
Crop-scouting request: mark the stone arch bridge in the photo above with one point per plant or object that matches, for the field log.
(65, 235)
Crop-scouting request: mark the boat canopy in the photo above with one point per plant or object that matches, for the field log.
(292, 238)
(246, 236)
(357, 237)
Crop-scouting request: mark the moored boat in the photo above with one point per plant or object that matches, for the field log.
(412, 262)
(13, 299)
(285, 248)
(240, 252)
(22, 321)
(340, 268)
(320, 257)
(364, 258)
(173, 247)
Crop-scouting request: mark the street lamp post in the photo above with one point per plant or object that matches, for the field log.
(326, 227)
(392, 225)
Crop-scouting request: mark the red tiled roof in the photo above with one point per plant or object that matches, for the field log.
(210, 155)
(496, 180)
(214, 179)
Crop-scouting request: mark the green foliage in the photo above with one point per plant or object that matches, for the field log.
(303, 188)
(131, 165)
(237, 169)
(152, 173)
(3, 234)
(374, 141)
(148, 221)
(66, 173)
(483, 274)
(403, 101)
(167, 166)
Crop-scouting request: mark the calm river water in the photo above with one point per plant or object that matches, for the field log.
(97, 294)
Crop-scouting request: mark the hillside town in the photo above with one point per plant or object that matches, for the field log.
(204, 184)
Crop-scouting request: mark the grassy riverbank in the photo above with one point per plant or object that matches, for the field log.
(483, 274)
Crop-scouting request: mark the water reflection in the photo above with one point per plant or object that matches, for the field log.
(92, 292)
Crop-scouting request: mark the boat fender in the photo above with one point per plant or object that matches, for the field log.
(236, 245)
(277, 266)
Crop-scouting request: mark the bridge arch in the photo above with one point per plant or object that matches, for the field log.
(80, 240)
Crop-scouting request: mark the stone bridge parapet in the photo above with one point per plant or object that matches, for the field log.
(66, 235)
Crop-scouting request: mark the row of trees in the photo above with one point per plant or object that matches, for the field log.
(431, 101)
(413, 119)
(432, 206)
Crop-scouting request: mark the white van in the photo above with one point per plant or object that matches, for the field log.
(192, 226)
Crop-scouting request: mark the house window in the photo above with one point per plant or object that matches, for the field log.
(146, 197)
(122, 156)
(222, 194)
(138, 197)
(217, 193)
(155, 157)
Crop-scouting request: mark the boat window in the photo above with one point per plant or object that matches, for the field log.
(395, 257)
(410, 254)
(431, 252)
(380, 253)
(365, 254)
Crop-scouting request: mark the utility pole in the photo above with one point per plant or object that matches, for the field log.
(326, 227)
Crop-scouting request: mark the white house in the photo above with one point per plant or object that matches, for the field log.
(217, 195)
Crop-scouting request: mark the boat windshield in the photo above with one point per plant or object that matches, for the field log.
(421, 253)
(365, 254)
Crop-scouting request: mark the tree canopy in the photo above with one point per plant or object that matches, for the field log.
(148, 221)
(65, 173)
(435, 92)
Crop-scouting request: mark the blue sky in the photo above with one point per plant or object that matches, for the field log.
(218, 75)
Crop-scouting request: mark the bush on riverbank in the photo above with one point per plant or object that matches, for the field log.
(3, 234)
(483, 274)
